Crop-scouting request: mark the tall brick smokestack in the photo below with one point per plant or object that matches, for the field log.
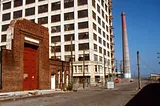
(126, 59)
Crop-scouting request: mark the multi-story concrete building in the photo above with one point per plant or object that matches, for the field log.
(89, 22)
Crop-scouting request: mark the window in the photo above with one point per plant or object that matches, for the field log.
(80, 68)
(69, 16)
(75, 69)
(106, 18)
(94, 26)
(108, 45)
(30, 1)
(68, 47)
(106, 28)
(7, 5)
(100, 58)
(102, 13)
(95, 47)
(43, 8)
(83, 35)
(30, 11)
(104, 43)
(68, 3)
(69, 27)
(3, 38)
(82, 2)
(104, 35)
(94, 36)
(68, 58)
(104, 52)
(68, 37)
(55, 29)
(55, 39)
(86, 68)
(82, 25)
(108, 53)
(99, 20)
(95, 68)
(17, 14)
(84, 46)
(100, 40)
(103, 24)
(41, 0)
(95, 57)
(93, 3)
(56, 6)
(100, 49)
(106, 7)
(86, 57)
(55, 49)
(5, 27)
(107, 37)
(94, 15)
(102, 3)
(82, 13)
(99, 30)
(18, 3)
(33, 20)
(6, 16)
(98, 8)
(43, 20)
(56, 18)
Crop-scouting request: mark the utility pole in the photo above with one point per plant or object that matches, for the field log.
(83, 69)
(104, 71)
(71, 62)
(138, 63)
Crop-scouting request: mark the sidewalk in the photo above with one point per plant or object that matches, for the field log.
(24, 94)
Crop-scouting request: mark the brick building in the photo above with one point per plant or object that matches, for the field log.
(60, 75)
(25, 62)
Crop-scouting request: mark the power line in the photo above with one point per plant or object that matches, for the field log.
(148, 65)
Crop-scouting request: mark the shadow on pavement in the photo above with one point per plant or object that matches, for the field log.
(148, 96)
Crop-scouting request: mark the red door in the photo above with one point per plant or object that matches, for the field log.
(30, 71)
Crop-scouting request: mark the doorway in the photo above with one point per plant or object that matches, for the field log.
(30, 67)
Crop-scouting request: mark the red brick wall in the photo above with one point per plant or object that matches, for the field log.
(57, 65)
(12, 60)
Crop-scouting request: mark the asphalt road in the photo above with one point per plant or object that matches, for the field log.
(91, 97)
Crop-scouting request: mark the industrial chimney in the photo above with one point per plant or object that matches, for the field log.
(126, 59)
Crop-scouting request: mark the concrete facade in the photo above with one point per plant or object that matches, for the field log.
(65, 18)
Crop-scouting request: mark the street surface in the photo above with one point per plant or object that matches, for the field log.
(90, 97)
